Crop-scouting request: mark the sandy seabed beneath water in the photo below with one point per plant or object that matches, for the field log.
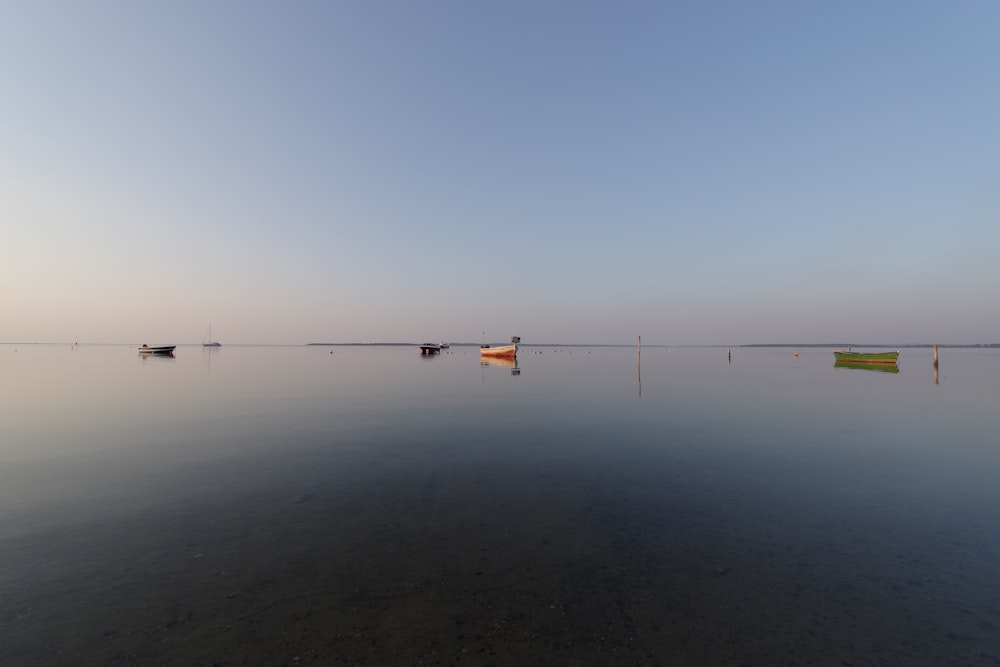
(479, 563)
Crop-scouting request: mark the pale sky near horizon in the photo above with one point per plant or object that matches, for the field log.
(574, 172)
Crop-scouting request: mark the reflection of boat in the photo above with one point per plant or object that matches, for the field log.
(207, 341)
(503, 362)
(880, 368)
(501, 351)
(430, 348)
(866, 357)
(163, 349)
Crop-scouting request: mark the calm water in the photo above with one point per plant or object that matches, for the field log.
(292, 505)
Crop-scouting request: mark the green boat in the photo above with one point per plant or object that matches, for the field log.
(866, 357)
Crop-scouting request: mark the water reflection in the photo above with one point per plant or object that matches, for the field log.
(208, 351)
(501, 362)
(402, 506)
(156, 358)
(878, 368)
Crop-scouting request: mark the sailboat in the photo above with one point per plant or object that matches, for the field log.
(207, 341)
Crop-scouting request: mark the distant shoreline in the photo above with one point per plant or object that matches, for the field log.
(893, 345)
(896, 346)
(718, 345)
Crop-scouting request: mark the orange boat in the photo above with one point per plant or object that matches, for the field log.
(500, 351)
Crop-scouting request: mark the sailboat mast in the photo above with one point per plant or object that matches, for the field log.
(207, 341)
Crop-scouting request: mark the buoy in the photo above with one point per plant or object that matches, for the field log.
(796, 355)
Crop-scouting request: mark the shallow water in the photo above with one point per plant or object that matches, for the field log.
(282, 505)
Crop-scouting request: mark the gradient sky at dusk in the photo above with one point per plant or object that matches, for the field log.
(575, 172)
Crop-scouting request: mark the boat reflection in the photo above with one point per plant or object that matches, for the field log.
(157, 350)
(501, 362)
(878, 368)
(143, 358)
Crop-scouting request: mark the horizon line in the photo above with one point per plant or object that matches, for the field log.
(546, 344)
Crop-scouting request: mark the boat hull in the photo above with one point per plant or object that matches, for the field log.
(867, 357)
(499, 352)
(430, 348)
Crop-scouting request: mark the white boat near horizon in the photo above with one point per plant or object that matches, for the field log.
(206, 340)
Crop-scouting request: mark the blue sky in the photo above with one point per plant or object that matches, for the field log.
(694, 173)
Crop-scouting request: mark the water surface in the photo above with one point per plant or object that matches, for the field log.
(282, 505)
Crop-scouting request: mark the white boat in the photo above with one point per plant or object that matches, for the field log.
(430, 348)
(207, 341)
(500, 351)
(161, 349)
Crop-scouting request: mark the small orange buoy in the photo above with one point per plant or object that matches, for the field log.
(796, 355)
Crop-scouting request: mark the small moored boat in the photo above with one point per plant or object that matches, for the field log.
(846, 355)
(162, 349)
(430, 348)
(501, 351)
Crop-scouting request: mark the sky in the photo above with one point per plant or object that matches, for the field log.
(717, 173)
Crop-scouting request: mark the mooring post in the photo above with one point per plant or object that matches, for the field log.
(935, 364)
(638, 367)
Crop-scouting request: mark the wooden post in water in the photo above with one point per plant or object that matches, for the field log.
(935, 364)
(638, 367)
